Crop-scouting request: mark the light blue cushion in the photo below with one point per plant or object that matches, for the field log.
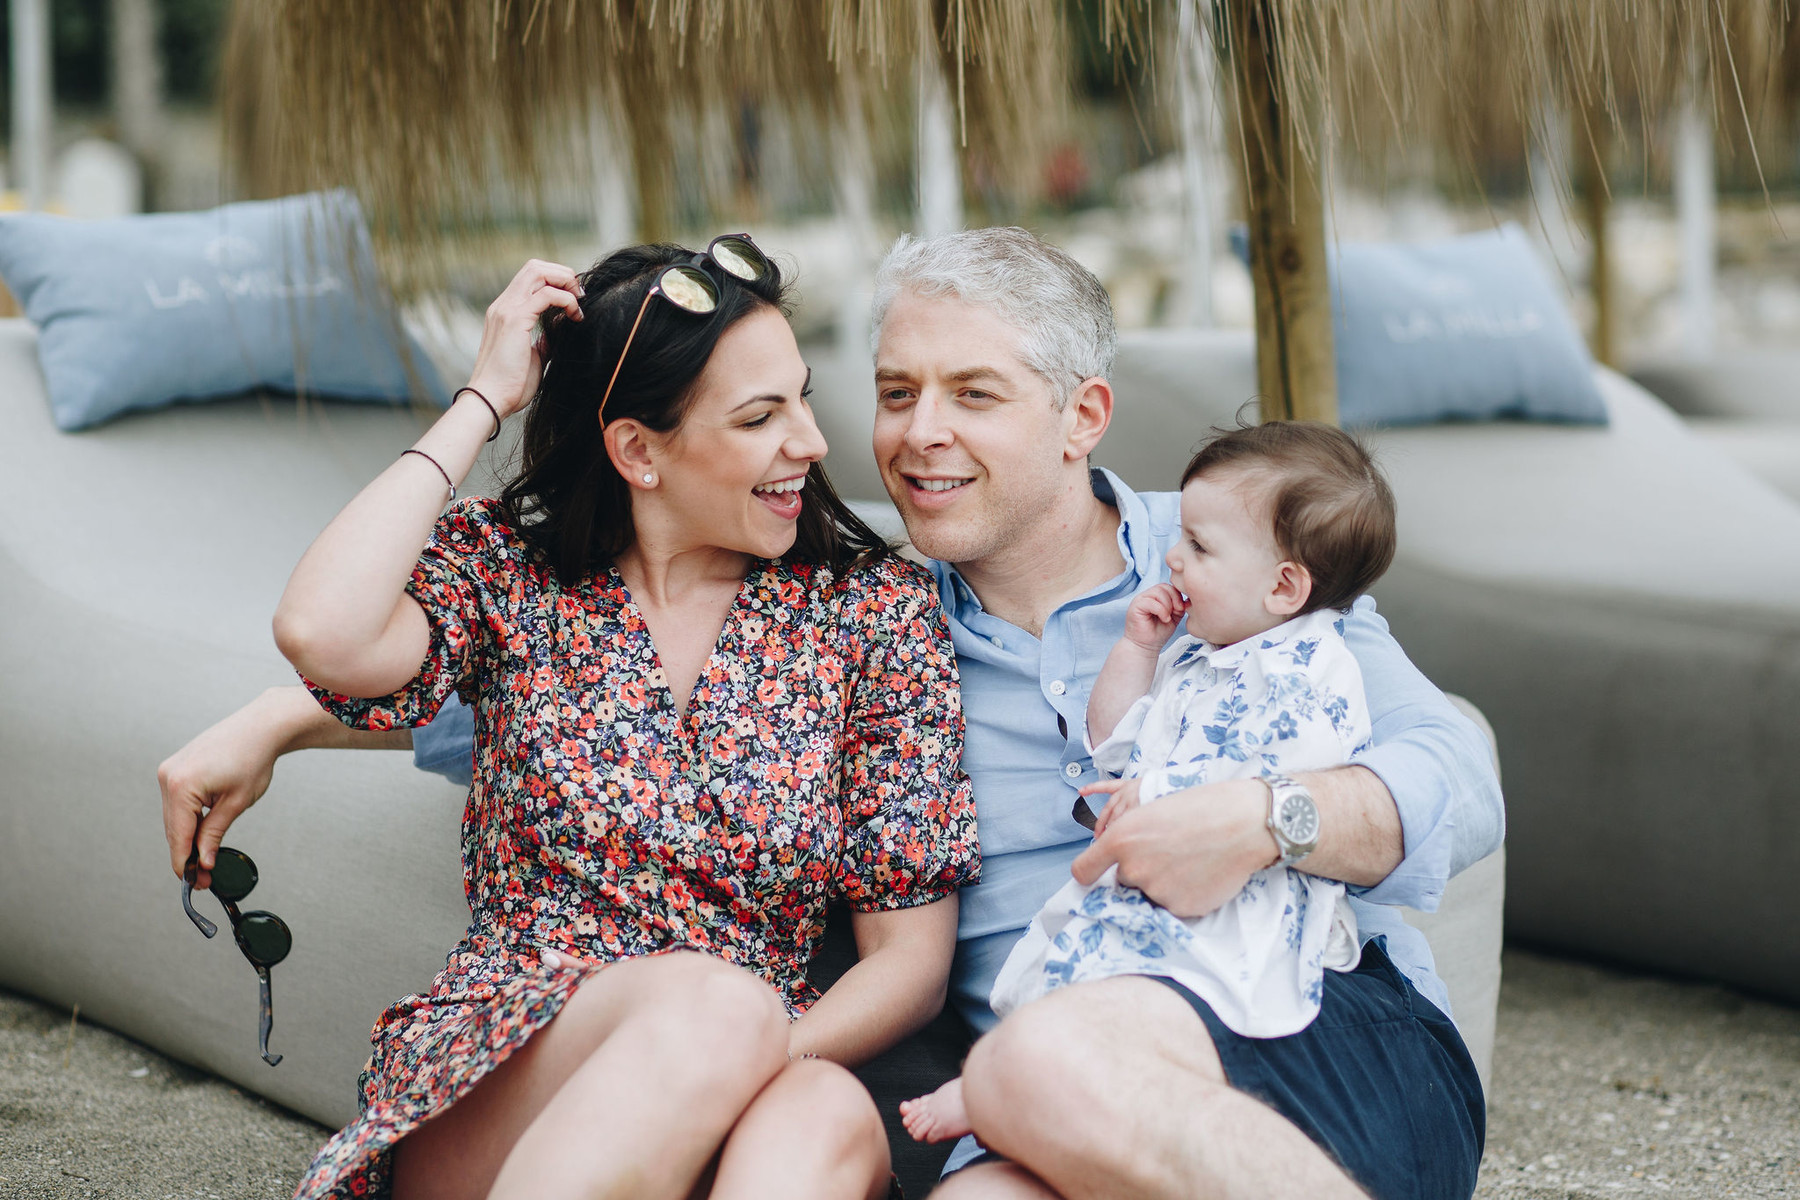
(140, 312)
(1467, 328)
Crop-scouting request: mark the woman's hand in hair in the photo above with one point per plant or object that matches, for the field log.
(509, 364)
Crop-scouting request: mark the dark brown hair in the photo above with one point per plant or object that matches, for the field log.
(567, 500)
(1333, 510)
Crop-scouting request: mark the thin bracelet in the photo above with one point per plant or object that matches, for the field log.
(492, 411)
(434, 462)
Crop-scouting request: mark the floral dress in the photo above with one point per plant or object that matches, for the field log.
(819, 757)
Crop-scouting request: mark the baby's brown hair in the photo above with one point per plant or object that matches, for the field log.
(1333, 510)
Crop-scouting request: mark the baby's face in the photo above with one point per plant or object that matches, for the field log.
(1227, 563)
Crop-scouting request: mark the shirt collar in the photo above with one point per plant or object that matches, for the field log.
(1229, 657)
(1138, 544)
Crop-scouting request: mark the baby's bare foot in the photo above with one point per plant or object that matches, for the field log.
(937, 1117)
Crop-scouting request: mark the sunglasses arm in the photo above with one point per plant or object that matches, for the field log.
(268, 1018)
(187, 902)
(623, 351)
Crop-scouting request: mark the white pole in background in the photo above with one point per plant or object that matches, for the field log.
(30, 32)
(1697, 209)
(940, 167)
(137, 82)
(855, 188)
(1199, 125)
(614, 178)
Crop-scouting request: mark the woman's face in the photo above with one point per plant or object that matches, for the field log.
(732, 474)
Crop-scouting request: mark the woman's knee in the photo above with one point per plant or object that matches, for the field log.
(710, 1014)
(837, 1110)
(818, 1121)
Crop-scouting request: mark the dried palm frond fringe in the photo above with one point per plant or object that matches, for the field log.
(447, 116)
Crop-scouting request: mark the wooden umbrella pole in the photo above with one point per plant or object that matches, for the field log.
(1295, 369)
(1592, 137)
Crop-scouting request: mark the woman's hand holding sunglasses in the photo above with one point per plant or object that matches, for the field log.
(509, 365)
(208, 783)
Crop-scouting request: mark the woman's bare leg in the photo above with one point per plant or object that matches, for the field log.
(627, 1093)
(812, 1134)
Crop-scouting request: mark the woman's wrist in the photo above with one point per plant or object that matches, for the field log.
(502, 397)
(448, 450)
(469, 392)
(292, 719)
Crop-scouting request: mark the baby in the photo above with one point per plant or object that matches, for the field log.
(1283, 525)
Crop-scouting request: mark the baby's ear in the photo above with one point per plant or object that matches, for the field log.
(1293, 588)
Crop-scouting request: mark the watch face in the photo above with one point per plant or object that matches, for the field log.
(1300, 820)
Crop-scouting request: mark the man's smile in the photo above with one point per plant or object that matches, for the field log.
(929, 484)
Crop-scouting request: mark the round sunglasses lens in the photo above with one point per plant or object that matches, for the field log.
(738, 257)
(233, 875)
(266, 937)
(689, 288)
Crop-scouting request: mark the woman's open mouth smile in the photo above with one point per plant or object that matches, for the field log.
(782, 497)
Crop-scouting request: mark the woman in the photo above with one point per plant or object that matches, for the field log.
(707, 700)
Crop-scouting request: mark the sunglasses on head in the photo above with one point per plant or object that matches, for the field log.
(262, 936)
(688, 287)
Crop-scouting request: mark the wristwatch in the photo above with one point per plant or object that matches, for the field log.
(1293, 819)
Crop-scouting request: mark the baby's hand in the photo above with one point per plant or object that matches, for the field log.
(1124, 798)
(1153, 616)
(937, 1117)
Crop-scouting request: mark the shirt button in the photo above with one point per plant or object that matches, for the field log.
(1072, 770)
(1058, 687)
(997, 642)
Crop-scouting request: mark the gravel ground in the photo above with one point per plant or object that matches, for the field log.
(1606, 1084)
(87, 1113)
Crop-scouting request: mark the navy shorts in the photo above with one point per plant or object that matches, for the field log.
(1380, 1080)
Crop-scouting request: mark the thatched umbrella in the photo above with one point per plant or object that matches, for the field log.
(445, 114)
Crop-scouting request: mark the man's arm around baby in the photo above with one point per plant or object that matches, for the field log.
(1113, 1087)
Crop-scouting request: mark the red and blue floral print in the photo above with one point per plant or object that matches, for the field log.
(818, 757)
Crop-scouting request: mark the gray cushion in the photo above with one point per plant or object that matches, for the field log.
(1769, 450)
(1748, 382)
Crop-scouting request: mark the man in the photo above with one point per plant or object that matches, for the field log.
(992, 355)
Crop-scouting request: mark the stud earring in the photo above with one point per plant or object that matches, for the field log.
(649, 478)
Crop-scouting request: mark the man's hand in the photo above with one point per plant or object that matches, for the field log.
(1192, 850)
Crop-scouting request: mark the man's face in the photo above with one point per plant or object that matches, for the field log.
(969, 441)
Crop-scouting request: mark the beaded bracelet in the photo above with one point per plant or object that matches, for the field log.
(492, 411)
(440, 468)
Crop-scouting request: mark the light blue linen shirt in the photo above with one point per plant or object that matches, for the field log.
(1025, 703)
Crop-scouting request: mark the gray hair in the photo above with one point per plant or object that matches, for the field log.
(1063, 315)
